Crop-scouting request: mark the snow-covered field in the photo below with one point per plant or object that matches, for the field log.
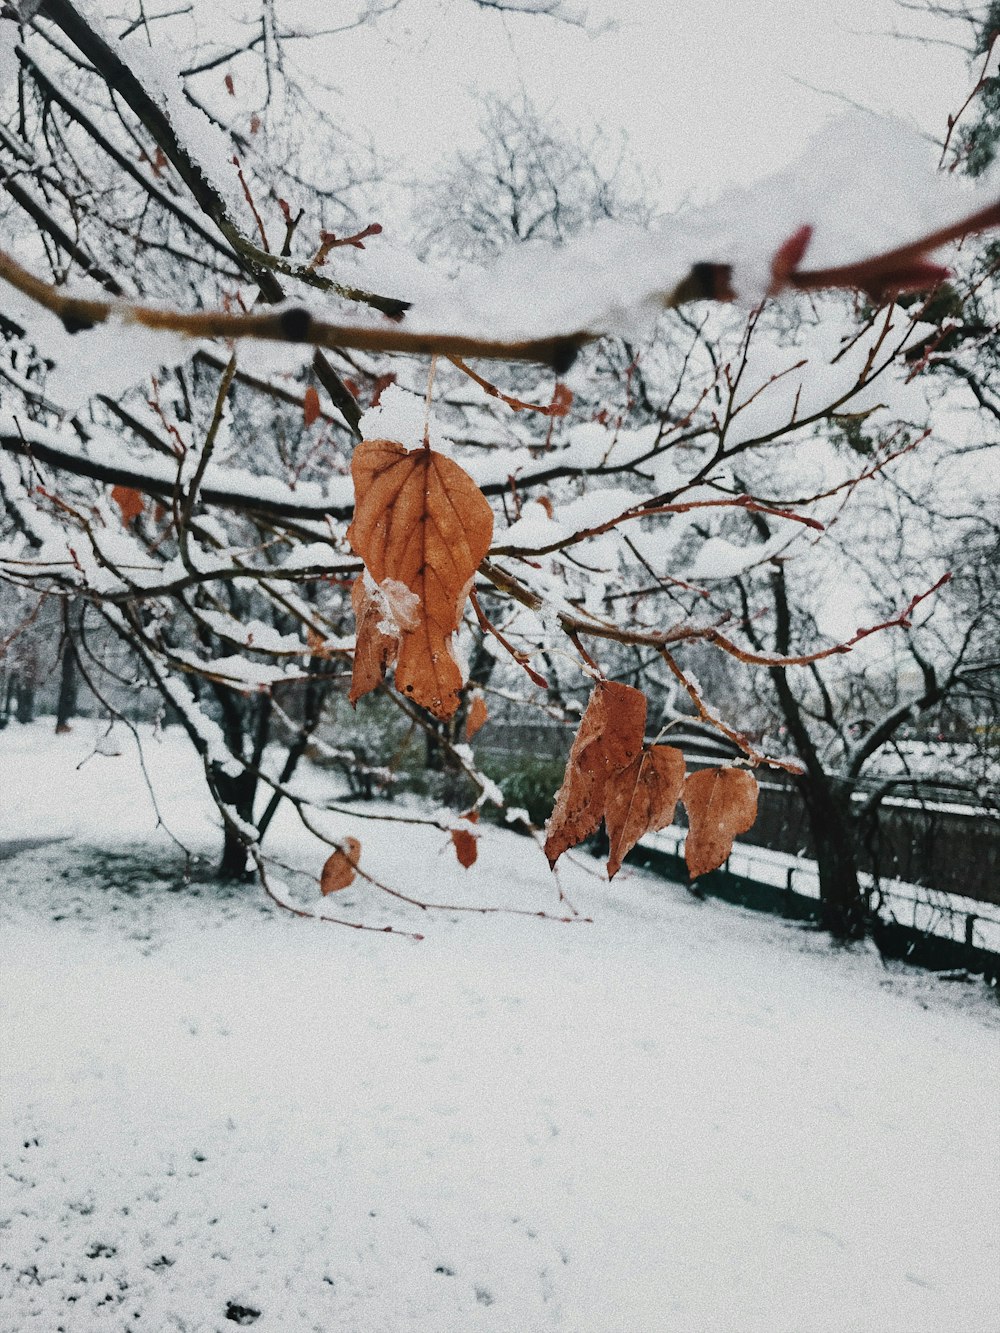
(680, 1117)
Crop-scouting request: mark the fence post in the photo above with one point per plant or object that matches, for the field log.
(970, 922)
(789, 876)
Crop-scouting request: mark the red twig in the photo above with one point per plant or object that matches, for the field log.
(520, 658)
(321, 916)
(902, 269)
(562, 397)
(738, 502)
(330, 241)
(755, 756)
(981, 83)
(490, 910)
(253, 207)
(900, 621)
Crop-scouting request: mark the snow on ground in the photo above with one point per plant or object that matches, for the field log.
(682, 1117)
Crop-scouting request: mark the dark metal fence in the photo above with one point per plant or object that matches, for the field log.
(935, 843)
(945, 847)
(893, 938)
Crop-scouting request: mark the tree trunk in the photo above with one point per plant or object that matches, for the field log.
(25, 701)
(237, 793)
(433, 751)
(233, 862)
(843, 903)
(66, 705)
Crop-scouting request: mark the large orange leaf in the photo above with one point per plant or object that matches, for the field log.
(720, 803)
(609, 737)
(422, 521)
(641, 799)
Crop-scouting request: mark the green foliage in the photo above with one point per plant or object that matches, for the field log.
(981, 142)
(527, 781)
(851, 430)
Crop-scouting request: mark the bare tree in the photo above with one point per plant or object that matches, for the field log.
(192, 496)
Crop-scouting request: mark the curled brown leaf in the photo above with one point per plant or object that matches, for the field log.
(421, 520)
(721, 803)
(641, 799)
(609, 737)
(477, 716)
(340, 868)
(310, 406)
(380, 615)
(465, 846)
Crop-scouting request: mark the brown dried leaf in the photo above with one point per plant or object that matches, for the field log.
(609, 737)
(562, 401)
(379, 386)
(721, 803)
(130, 503)
(477, 716)
(310, 406)
(420, 520)
(641, 799)
(465, 846)
(340, 868)
(317, 643)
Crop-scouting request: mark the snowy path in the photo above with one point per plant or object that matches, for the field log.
(681, 1118)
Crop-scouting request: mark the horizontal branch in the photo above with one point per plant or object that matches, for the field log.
(903, 268)
(229, 489)
(160, 483)
(650, 510)
(575, 625)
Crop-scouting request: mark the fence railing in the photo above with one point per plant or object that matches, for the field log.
(943, 932)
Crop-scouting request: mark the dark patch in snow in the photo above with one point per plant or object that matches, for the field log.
(242, 1314)
(15, 846)
(447, 1272)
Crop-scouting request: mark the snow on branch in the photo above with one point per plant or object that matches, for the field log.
(901, 269)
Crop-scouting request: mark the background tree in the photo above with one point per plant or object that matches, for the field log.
(843, 718)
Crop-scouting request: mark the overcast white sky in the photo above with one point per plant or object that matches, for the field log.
(709, 93)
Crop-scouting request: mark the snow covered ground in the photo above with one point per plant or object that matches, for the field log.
(681, 1117)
